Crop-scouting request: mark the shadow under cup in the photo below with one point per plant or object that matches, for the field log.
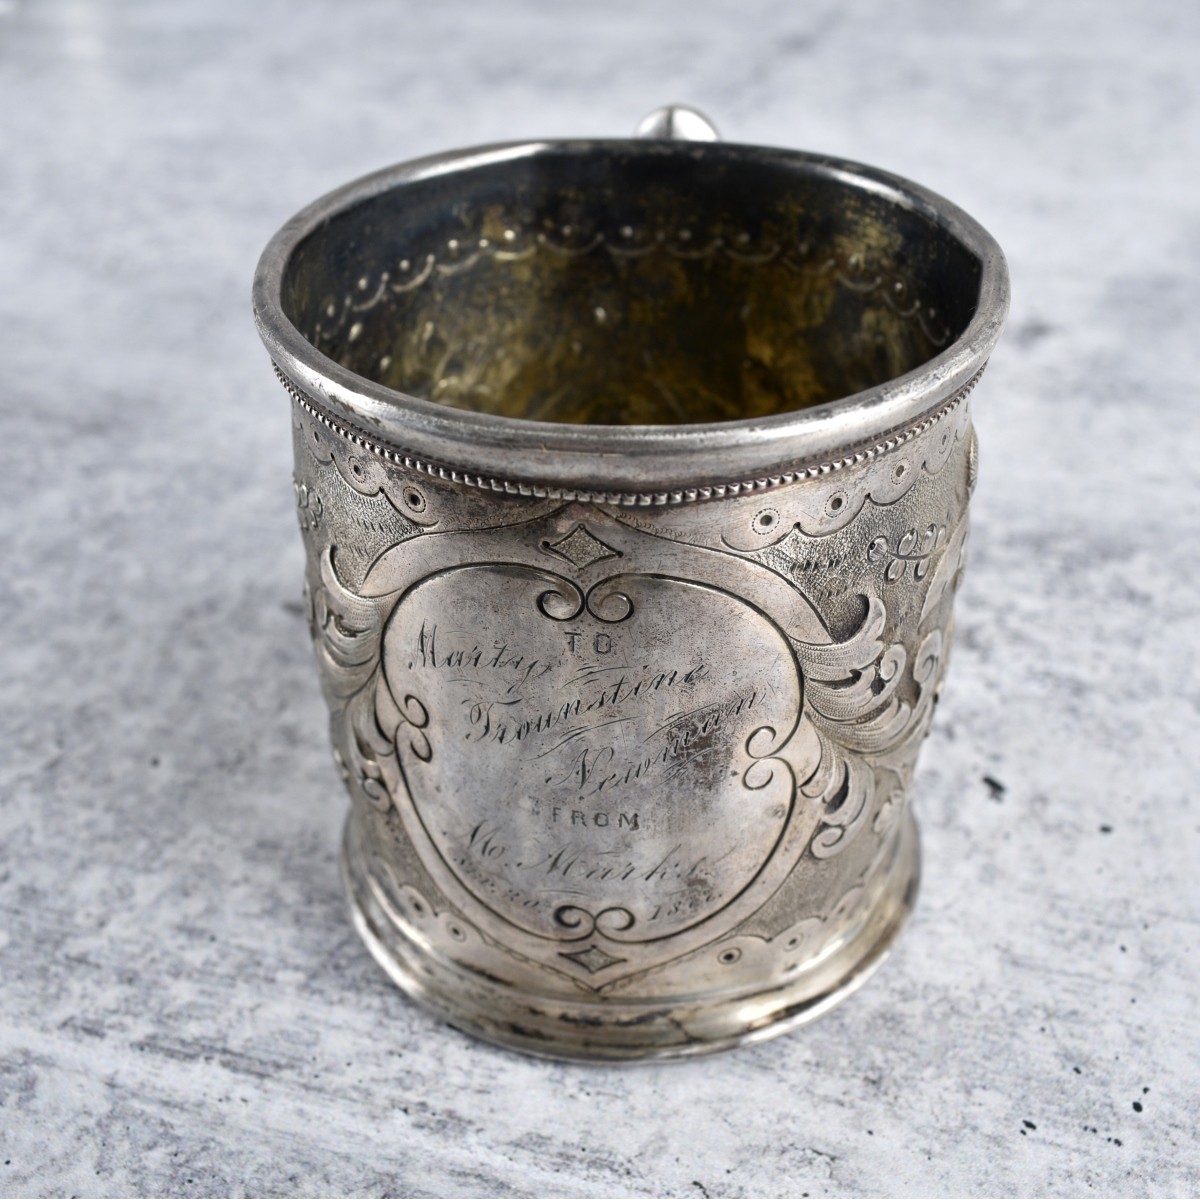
(633, 479)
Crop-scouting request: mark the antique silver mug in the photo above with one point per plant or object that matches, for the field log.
(633, 476)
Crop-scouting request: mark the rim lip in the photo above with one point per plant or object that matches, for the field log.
(630, 456)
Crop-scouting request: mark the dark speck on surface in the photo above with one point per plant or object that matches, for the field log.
(1106, 829)
(1137, 1106)
(1029, 1124)
(995, 788)
(1031, 332)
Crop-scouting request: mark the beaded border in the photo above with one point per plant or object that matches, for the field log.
(510, 487)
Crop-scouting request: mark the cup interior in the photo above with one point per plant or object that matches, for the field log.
(633, 283)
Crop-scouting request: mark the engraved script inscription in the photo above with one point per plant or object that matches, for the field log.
(593, 760)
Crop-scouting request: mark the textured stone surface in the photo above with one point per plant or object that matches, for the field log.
(184, 1008)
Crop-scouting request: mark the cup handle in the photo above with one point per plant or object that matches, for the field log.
(677, 122)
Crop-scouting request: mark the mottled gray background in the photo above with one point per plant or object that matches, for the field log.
(184, 1008)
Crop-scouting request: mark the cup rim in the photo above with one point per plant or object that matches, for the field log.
(652, 459)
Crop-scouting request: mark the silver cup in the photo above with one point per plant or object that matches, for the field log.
(633, 477)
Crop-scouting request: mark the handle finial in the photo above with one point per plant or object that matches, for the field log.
(677, 122)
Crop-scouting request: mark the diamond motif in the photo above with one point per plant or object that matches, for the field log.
(581, 548)
(592, 959)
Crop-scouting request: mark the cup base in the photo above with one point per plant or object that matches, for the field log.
(617, 1030)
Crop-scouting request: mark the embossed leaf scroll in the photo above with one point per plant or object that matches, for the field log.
(601, 744)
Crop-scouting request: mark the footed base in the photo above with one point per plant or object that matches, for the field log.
(621, 1029)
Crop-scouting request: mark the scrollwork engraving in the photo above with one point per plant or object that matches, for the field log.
(912, 549)
(620, 766)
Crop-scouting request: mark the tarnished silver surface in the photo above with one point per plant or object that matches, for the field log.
(629, 713)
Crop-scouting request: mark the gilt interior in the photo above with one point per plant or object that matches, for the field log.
(631, 284)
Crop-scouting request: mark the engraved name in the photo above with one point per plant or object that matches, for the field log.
(681, 879)
(497, 720)
(588, 762)
(499, 658)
